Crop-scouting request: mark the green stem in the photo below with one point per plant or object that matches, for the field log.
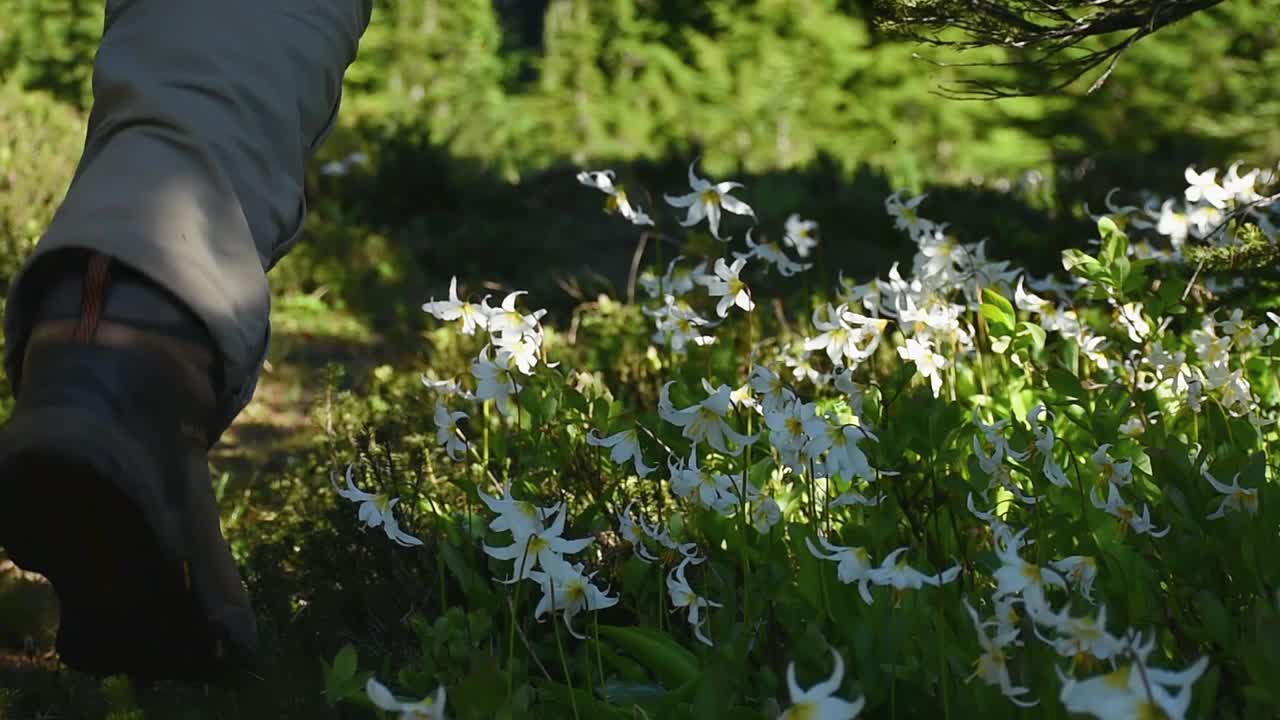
(595, 622)
(746, 511)
(485, 410)
(564, 664)
(943, 671)
(511, 654)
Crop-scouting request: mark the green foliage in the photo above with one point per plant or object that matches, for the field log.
(39, 142)
(49, 45)
(40, 139)
(1251, 252)
(618, 80)
(910, 652)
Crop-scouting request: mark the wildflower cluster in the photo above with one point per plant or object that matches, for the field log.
(1023, 469)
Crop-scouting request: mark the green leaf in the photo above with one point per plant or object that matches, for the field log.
(1217, 621)
(587, 705)
(623, 693)
(1031, 336)
(1115, 245)
(1080, 263)
(474, 586)
(1065, 383)
(669, 662)
(340, 681)
(998, 312)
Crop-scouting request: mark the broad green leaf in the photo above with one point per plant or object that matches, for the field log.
(998, 312)
(340, 681)
(670, 663)
(1080, 263)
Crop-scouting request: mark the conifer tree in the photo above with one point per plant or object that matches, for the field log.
(1061, 40)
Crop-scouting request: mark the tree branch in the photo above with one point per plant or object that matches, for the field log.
(1062, 37)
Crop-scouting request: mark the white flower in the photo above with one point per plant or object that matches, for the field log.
(1000, 449)
(543, 548)
(1017, 576)
(519, 517)
(507, 320)
(894, 572)
(1094, 348)
(852, 497)
(473, 316)
(688, 481)
(493, 381)
(706, 200)
(773, 255)
(1137, 326)
(1241, 187)
(634, 533)
(1116, 506)
(1173, 224)
(683, 596)
(800, 235)
(662, 536)
(735, 494)
(343, 166)
(447, 432)
(1134, 690)
(1059, 319)
(853, 564)
(1165, 363)
(906, 217)
(1132, 428)
(705, 421)
(938, 257)
(1080, 571)
(677, 325)
(819, 702)
(375, 510)
(1203, 186)
(843, 381)
(844, 458)
(843, 334)
(618, 201)
(726, 285)
(1236, 498)
(743, 397)
(428, 708)
(1203, 219)
(446, 388)
(566, 590)
(1118, 472)
(928, 363)
(679, 279)
(868, 294)
(518, 350)
(790, 427)
(1028, 301)
(623, 446)
(765, 514)
(1085, 638)
(1044, 443)
(993, 664)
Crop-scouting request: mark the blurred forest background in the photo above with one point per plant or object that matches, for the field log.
(474, 115)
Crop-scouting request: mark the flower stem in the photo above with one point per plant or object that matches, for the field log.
(595, 617)
(564, 664)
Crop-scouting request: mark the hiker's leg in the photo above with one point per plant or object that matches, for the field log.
(205, 114)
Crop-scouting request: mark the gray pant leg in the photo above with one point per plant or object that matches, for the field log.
(205, 114)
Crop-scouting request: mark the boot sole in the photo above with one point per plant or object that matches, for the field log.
(127, 605)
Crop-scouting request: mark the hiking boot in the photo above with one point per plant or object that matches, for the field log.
(105, 485)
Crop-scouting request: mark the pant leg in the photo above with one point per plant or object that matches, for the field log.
(205, 114)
